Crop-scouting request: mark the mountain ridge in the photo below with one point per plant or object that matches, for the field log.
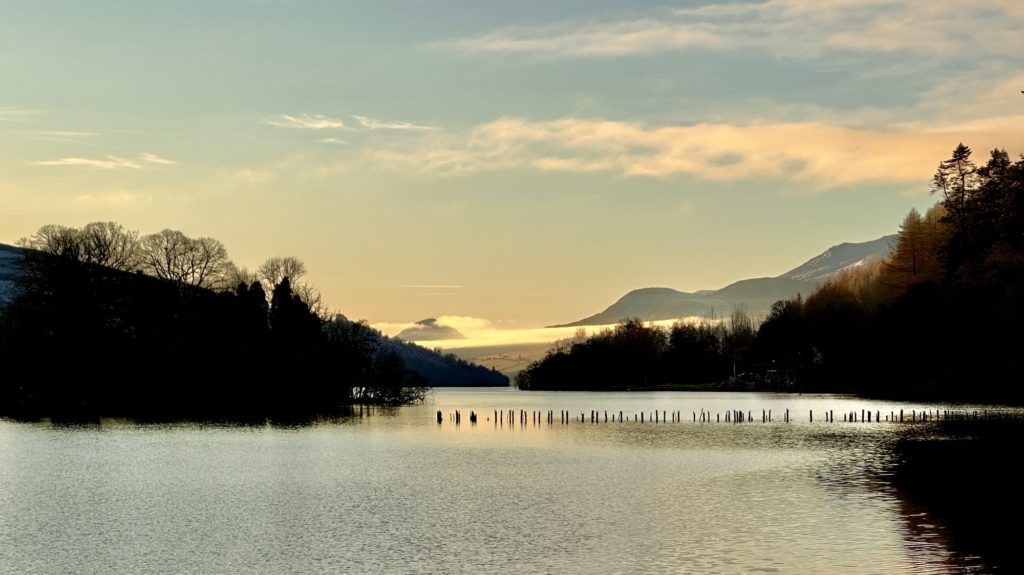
(754, 295)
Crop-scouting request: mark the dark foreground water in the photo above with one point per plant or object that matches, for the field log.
(398, 493)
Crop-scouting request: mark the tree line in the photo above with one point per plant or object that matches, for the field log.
(941, 316)
(170, 255)
(110, 323)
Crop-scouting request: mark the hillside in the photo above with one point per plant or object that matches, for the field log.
(436, 368)
(10, 257)
(755, 296)
(841, 257)
(443, 369)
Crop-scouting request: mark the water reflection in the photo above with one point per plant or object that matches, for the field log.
(397, 492)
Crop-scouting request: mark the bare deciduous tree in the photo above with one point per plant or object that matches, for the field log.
(109, 244)
(277, 268)
(236, 275)
(56, 241)
(312, 298)
(172, 255)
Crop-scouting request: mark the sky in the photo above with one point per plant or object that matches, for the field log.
(517, 163)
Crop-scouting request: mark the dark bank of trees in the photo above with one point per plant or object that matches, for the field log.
(637, 356)
(943, 316)
(106, 323)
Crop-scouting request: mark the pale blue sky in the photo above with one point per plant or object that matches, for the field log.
(543, 157)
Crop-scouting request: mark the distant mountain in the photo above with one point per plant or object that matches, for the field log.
(755, 296)
(842, 257)
(429, 330)
(10, 258)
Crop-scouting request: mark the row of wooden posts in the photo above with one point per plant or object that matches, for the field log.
(735, 416)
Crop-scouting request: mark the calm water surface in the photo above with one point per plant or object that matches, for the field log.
(398, 493)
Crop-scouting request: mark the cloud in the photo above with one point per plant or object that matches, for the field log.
(789, 28)
(374, 124)
(64, 135)
(251, 176)
(337, 141)
(815, 155)
(482, 332)
(108, 163)
(114, 198)
(427, 286)
(155, 159)
(304, 122)
(466, 323)
(17, 114)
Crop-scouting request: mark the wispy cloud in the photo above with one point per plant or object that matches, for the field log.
(793, 28)
(108, 163)
(426, 286)
(304, 122)
(814, 155)
(374, 124)
(155, 159)
(114, 198)
(481, 332)
(250, 176)
(65, 134)
(337, 141)
(9, 114)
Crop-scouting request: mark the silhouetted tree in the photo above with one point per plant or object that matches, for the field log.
(172, 255)
(275, 269)
(55, 240)
(109, 244)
